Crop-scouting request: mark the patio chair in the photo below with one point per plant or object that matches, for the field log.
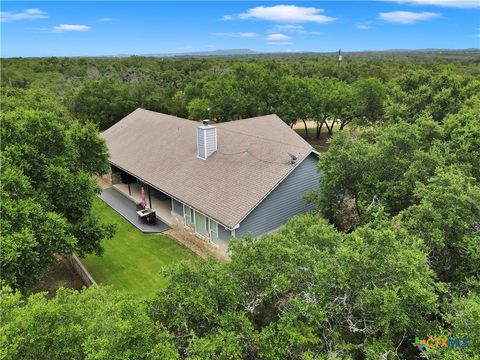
(151, 218)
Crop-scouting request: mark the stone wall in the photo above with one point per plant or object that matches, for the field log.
(116, 178)
(82, 271)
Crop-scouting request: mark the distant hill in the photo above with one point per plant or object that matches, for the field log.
(221, 52)
(424, 56)
(416, 55)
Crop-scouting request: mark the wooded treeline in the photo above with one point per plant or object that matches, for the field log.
(103, 91)
(392, 251)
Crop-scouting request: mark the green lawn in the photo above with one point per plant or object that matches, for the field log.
(132, 260)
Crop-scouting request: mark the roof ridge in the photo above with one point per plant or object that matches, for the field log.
(271, 140)
(250, 118)
(160, 113)
(224, 123)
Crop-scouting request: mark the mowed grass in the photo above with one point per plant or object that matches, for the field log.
(132, 260)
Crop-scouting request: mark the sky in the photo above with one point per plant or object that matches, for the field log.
(91, 28)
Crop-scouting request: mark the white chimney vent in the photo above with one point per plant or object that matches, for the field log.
(206, 140)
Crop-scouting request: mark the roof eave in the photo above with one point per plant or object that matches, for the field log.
(172, 196)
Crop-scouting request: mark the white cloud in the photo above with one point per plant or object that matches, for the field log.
(105, 19)
(293, 29)
(236, 34)
(283, 13)
(442, 3)
(289, 27)
(28, 14)
(406, 17)
(68, 27)
(279, 43)
(366, 25)
(277, 37)
(37, 29)
(363, 27)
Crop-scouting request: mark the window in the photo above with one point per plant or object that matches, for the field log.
(177, 207)
(213, 230)
(188, 216)
(200, 224)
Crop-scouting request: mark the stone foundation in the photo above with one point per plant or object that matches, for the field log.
(203, 248)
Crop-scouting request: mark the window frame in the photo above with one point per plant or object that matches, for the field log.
(196, 224)
(211, 230)
(191, 216)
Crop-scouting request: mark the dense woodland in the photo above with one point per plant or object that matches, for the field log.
(391, 253)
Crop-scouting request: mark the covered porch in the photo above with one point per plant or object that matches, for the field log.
(131, 187)
(170, 210)
(126, 208)
(162, 204)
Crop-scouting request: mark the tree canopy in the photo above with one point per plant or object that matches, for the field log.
(47, 187)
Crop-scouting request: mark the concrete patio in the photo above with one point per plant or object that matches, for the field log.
(126, 208)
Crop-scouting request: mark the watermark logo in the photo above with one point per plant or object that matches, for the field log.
(440, 342)
(420, 344)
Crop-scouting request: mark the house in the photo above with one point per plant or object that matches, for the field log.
(219, 180)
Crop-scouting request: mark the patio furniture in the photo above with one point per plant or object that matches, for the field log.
(147, 215)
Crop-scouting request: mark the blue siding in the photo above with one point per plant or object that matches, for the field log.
(224, 234)
(223, 238)
(283, 202)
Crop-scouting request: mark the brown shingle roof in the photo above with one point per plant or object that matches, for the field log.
(250, 162)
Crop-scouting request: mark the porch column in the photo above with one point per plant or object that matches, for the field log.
(128, 182)
(149, 196)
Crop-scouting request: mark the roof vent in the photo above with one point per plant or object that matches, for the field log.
(293, 158)
(206, 140)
